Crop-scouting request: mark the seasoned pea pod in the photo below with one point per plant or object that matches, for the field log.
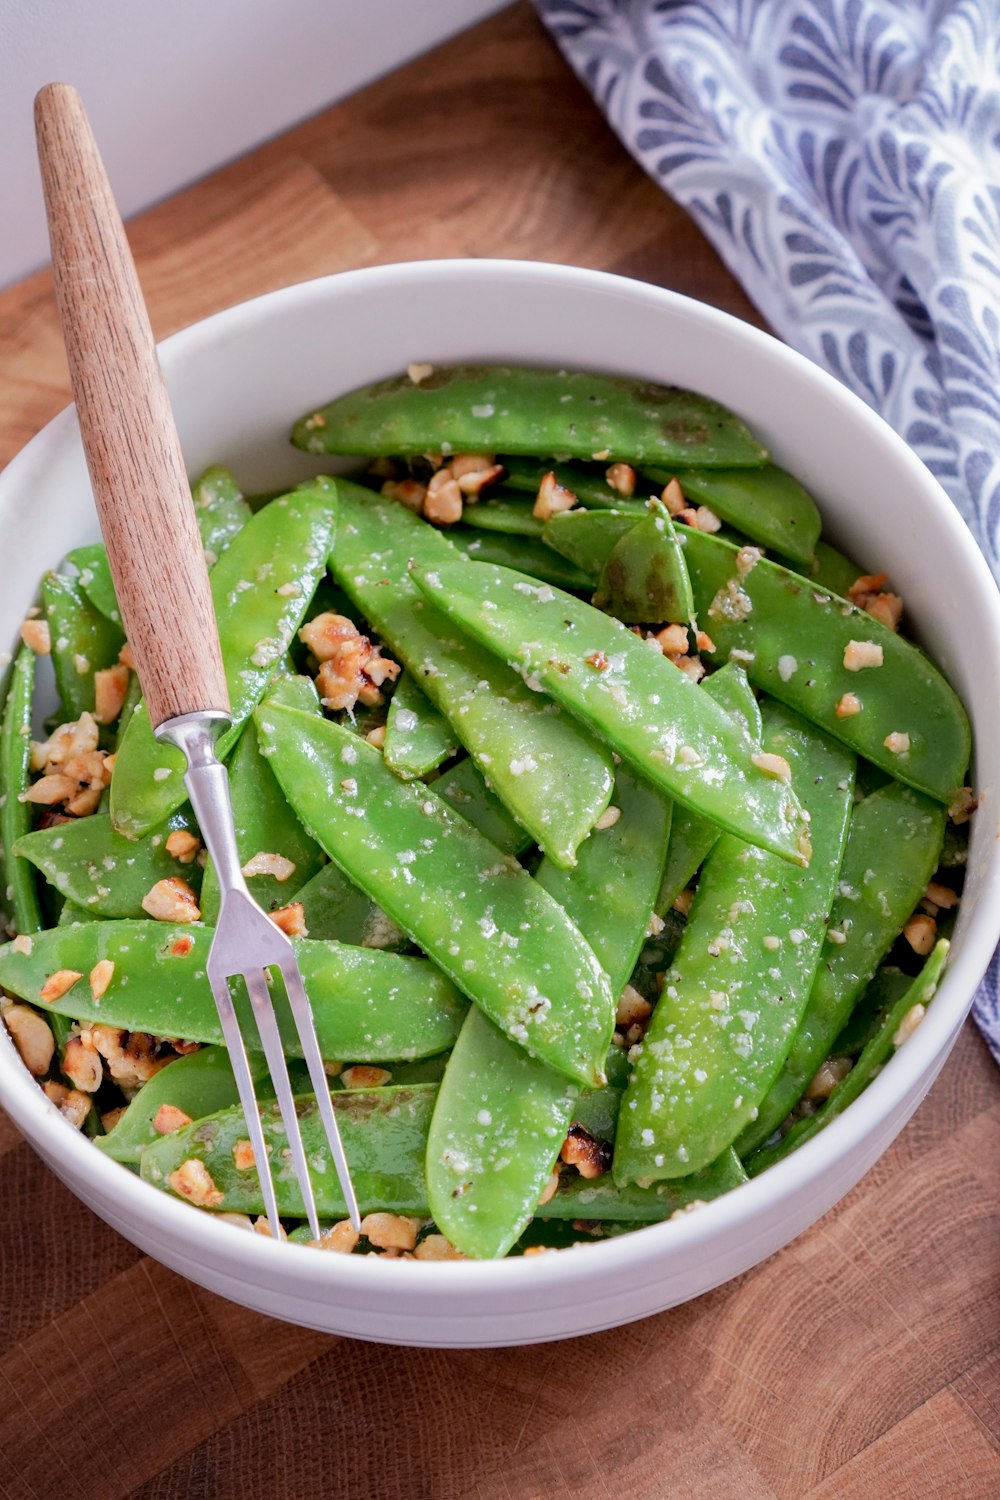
(602, 1199)
(809, 649)
(494, 409)
(498, 1123)
(261, 589)
(417, 737)
(588, 482)
(336, 909)
(767, 504)
(831, 570)
(881, 993)
(586, 537)
(220, 510)
(464, 788)
(199, 1084)
(510, 514)
(653, 714)
(644, 578)
(515, 738)
(83, 642)
(892, 852)
(740, 979)
(477, 914)
(368, 1006)
(384, 1132)
(891, 1034)
(22, 912)
(519, 552)
(99, 870)
(95, 579)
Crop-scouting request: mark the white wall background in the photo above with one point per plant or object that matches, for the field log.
(175, 88)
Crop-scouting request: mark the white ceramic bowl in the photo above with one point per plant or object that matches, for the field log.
(238, 380)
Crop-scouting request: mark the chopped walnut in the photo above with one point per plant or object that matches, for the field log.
(408, 492)
(32, 1036)
(58, 984)
(243, 1156)
(673, 497)
(920, 932)
(291, 919)
(420, 371)
(591, 1158)
(474, 472)
(772, 765)
(552, 498)
(833, 1071)
(703, 642)
(77, 737)
(351, 668)
(609, 817)
(36, 636)
(181, 947)
(909, 1024)
(598, 661)
(191, 1180)
(897, 743)
(691, 666)
(861, 654)
(673, 640)
(376, 736)
(261, 1226)
(683, 902)
(82, 1064)
(171, 900)
(342, 1238)
(126, 657)
(443, 500)
(76, 771)
(110, 687)
(632, 1007)
(277, 865)
(963, 805)
(131, 1056)
(73, 1105)
(363, 1076)
(100, 977)
(848, 705)
(390, 1231)
(111, 1117)
(436, 1247)
(706, 520)
(169, 1118)
(549, 1190)
(182, 845)
(941, 895)
(621, 478)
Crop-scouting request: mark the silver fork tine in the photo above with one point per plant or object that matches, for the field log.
(298, 1003)
(248, 1096)
(270, 1036)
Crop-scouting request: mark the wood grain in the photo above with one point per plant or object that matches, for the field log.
(861, 1361)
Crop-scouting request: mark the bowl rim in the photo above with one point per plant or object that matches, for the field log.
(256, 1255)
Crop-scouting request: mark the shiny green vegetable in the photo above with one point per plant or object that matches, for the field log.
(220, 510)
(892, 852)
(881, 993)
(740, 980)
(83, 642)
(261, 588)
(522, 553)
(199, 1084)
(20, 907)
(644, 578)
(510, 514)
(767, 504)
(588, 482)
(368, 1006)
(477, 914)
(99, 870)
(586, 537)
(652, 714)
(91, 563)
(464, 788)
(336, 909)
(384, 1132)
(491, 409)
(515, 738)
(417, 737)
(887, 1039)
(601, 1199)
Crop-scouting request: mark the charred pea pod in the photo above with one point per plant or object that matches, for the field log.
(644, 578)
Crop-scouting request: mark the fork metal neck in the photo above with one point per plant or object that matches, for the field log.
(207, 782)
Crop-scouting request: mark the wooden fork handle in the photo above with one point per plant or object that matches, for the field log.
(133, 451)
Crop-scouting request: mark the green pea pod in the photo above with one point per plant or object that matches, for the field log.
(91, 563)
(876, 1054)
(692, 837)
(587, 537)
(831, 570)
(417, 737)
(22, 912)
(133, 695)
(588, 482)
(601, 1199)
(483, 409)
(464, 788)
(652, 714)
(892, 851)
(795, 638)
(510, 514)
(102, 872)
(336, 909)
(220, 510)
(498, 1123)
(199, 1084)
(740, 980)
(513, 735)
(519, 552)
(83, 642)
(261, 589)
(384, 1132)
(881, 993)
(767, 504)
(368, 1006)
(644, 577)
(69, 913)
(475, 912)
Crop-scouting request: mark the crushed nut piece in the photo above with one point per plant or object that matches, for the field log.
(609, 817)
(474, 472)
(861, 654)
(59, 983)
(291, 919)
(342, 1238)
(408, 492)
(110, 687)
(261, 1226)
(704, 642)
(590, 1157)
(598, 661)
(101, 976)
(32, 1036)
(706, 519)
(364, 1076)
(191, 1180)
(420, 371)
(673, 497)
(682, 903)
(443, 502)
(181, 947)
(72, 1104)
(909, 1024)
(277, 865)
(886, 608)
(896, 743)
(131, 1056)
(920, 932)
(833, 1071)
(376, 737)
(182, 845)
(621, 478)
(960, 810)
(390, 1231)
(942, 895)
(848, 705)
(110, 1118)
(171, 900)
(169, 1118)
(772, 765)
(549, 1190)
(632, 1007)
(37, 637)
(436, 1247)
(552, 498)
(691, 666)
(351, 668)
(673, 640)
(243, 1156)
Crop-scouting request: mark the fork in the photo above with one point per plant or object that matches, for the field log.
(147, 517)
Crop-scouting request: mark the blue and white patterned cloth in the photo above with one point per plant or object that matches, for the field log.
(843, 156)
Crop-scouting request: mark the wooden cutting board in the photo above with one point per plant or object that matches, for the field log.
(862, 1361)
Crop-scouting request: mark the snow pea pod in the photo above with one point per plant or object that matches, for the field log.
(384, 1132)
(510, 514)
(367, 1005)
(881, 993)
(515, 737)
(95, 579)
(97, 869)
(499, 1121)
(876, 1054)
(892, 851)
(200, 1084)
(464, 788)
(796, 639)
(831, 570)
(519, 552)
(22, 912)
(83, 642)
(261, 589)
(644, 577)
(767, 504)
(602, 1199)
(652, 714)
(336, 909)
(475, 912)
(220, 510)
(497, 409)
(417, 737)
(740, 979)
(586, 537)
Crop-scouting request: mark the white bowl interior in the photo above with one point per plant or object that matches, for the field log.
(238, 380)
